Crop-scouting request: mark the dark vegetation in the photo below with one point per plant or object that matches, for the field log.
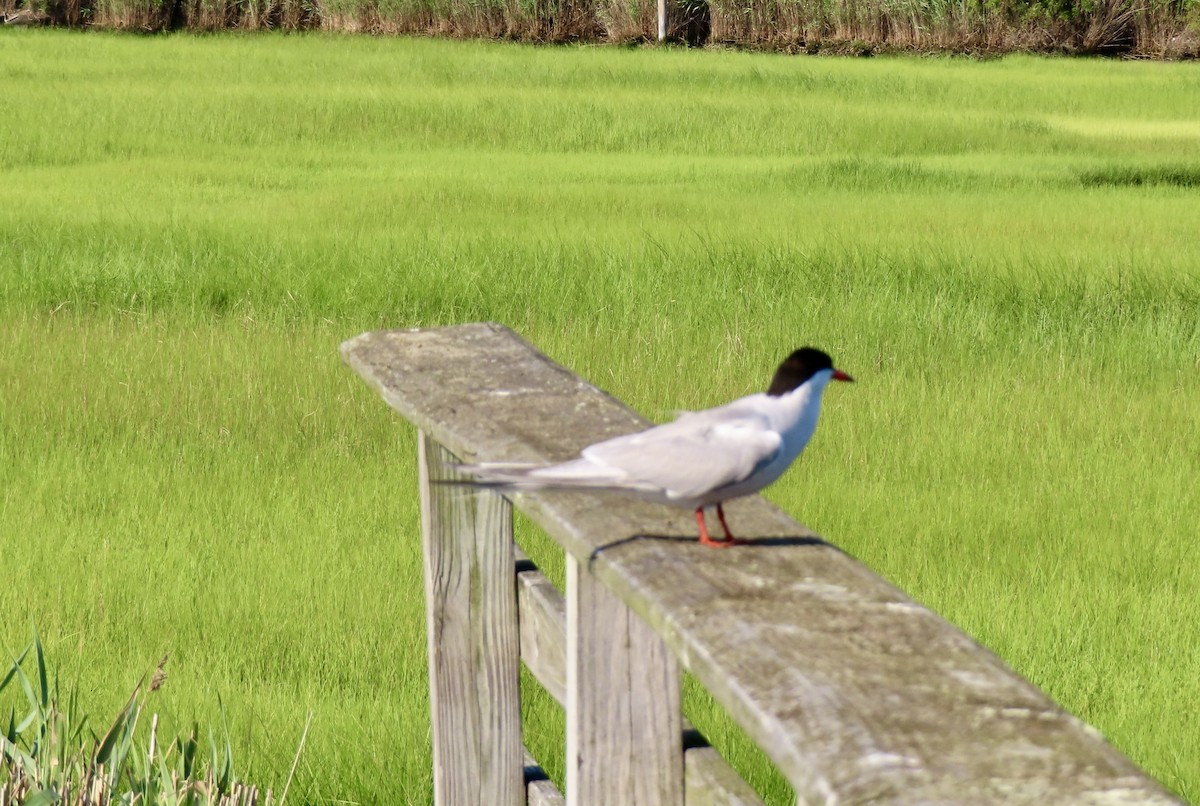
(1181, 176)
(1145, 28)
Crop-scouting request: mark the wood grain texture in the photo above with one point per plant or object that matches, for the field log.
(474, 645)
(708, 778)
(857, 693)
(623, 711)
(543, 617)
(710, 781)
(539, 789)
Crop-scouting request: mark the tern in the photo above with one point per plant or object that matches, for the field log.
(703, 458)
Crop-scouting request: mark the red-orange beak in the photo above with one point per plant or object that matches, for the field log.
(838, 375)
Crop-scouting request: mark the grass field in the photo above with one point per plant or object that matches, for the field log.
(1003, 253)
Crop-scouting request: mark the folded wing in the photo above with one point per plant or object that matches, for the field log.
(690, 457)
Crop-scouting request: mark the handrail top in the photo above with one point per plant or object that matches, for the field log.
(855, 691)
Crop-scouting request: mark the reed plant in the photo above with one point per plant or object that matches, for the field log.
(50, 755)
(1146, 28)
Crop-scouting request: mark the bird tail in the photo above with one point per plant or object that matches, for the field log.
(501, 476)
(516, 477)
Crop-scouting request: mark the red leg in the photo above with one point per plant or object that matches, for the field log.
(729, 540)
(724, 525)
(704, 538)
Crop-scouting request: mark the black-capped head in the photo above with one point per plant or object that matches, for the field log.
(799, 367)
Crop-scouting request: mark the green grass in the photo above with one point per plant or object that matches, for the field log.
(1004, 253)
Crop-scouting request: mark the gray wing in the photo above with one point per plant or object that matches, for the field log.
(692, 456)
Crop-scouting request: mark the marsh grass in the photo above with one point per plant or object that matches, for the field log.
(1154, 28)
(185, 244)
(51, 755)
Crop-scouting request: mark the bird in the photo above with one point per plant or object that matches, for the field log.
(700, 460)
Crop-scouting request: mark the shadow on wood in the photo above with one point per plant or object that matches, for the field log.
(752, 543)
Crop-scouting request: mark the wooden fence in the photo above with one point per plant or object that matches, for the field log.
(857, 693)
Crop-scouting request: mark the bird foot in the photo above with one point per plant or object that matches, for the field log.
(705, 540)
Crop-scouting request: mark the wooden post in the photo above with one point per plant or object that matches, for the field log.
(623, 709)
(662, 20)
(474, 645)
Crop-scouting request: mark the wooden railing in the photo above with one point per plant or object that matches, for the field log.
(857, 693)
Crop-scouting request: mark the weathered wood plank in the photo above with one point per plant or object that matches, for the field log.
(539, 789)
(708, 778)
(474, 645)
(543, 617)
(856, 692)
(710, 781)
(623, 710)
(544, 793)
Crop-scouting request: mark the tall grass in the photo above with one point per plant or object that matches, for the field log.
(51, 755)
(1156, 28)
(1003, 253)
